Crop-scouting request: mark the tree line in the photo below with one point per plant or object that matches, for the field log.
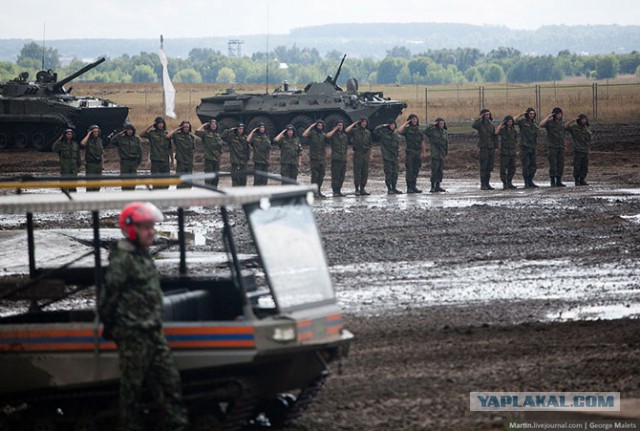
(303, 65)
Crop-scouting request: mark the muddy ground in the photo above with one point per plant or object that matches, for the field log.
(518, 290)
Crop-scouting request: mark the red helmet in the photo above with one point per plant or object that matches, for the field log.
(136, 213)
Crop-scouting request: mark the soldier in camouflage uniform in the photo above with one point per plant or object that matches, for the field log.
(160, 148)
(131, 309)
(239, 154)
(439, 146)
(581, 135)
(290, 152)
(261, 144)
(339, 146)
(528, 145)
(184, 143)
(129, 150)
(390, 148)
(317, 153)
(361, 141)
(415, 151)
(508, 140)
(69, 153)
(487, 144)
(212, 143)
(555, 136)
(94, 149)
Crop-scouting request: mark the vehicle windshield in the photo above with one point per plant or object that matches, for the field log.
(291, 251)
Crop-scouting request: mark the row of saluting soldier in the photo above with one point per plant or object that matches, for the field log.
(176, 147)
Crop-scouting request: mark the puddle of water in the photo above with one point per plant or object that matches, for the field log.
(595, 312)
(387, 286)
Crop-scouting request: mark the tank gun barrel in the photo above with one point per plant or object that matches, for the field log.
(335, 78)
(58, 85)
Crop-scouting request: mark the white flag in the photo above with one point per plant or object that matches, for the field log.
(169, 91)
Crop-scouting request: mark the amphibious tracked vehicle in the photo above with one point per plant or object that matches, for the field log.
(254, 325)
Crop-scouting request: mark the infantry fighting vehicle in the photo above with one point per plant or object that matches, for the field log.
(317, 101)
(34, 114)
(255, 328)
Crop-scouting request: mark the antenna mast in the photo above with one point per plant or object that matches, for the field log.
(266, 84)
(164, 97)
(44, 29)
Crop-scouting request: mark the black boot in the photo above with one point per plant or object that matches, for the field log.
(559, 182)
(483, 183)
(583, 182)
(553, 181)
(415, 188)
(577, 181)
(433, 187)
(505, 185)
(409, 187)
(395, 189)
(487, 182)
(439, 189)
(532, 184)
(511, 186)
(526, 182)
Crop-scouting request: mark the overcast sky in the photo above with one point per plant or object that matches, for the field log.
(91, 19)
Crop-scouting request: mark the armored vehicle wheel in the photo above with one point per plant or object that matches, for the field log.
(20, 140)
(269, 125)
(4, 140)
(333, 119)
(301, 122)
(38, 141)
(226, 123)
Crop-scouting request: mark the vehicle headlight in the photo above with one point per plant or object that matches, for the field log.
(284, 334)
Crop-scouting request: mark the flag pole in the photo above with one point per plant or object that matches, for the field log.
(164, 98)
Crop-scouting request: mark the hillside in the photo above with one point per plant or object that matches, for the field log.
(368, 40)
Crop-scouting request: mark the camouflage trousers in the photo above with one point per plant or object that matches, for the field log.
(391, 173)
(160, 167)
(146, 360)
(128, 167)
(360, 169)
(437, 170)
(259, 180)
(211, 167)
(556, 162)
(238, 175)
(93, 168)
(317, 172)
(184, 168)
(528, 161)
(507, 168)
(580, 164)
(413, 163)
(338, 171)
(487, 156)
(289, 170)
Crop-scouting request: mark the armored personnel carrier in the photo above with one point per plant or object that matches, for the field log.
(34, 114)
(254, 324)
(317, 101)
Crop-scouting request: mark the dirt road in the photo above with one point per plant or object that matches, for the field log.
(519, 290)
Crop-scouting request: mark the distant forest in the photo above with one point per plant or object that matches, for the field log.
(298, 66)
